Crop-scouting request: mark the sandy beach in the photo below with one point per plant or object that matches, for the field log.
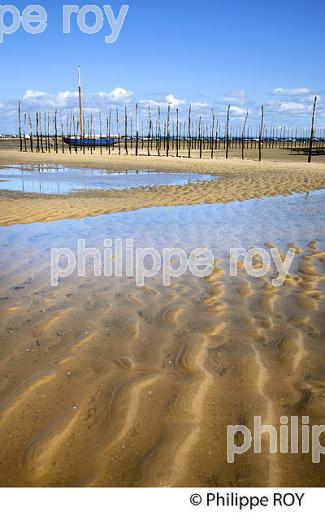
(162, 260)
(279, 174)
(104, 383)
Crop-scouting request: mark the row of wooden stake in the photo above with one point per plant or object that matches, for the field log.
(162, 136)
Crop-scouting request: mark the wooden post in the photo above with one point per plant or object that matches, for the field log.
(88, 135)
(83, 145)
(200, 136)
(217, 135)
(149, 130)
(118, 131)
(41, 128)
(142, 134)
(126, 131)
(189, 144)
(30, 133)
(158, 131)
(81, 120)
(243, 137)
(109, 131)
(100, 133)
(164, 136)
(91, 134)
(260, 137)
(177, 132)
(227, 132)
(37, 133)
(183, 144)
(68, 132)
(62, 132)
(312, 131)
(19, 126)
(25, 132)
(56, 132)
(212, 133)
(168, 130)
(48, 131)
(77, 136)
(136, 129)
(106, 133)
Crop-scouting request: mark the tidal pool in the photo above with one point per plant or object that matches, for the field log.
(296, 218)
(59, 180)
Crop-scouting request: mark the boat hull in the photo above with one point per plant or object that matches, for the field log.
(104, 141)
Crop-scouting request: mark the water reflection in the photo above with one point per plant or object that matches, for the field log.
(296, 218)
(58, 180)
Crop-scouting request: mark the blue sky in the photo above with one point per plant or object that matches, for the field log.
(206, 53)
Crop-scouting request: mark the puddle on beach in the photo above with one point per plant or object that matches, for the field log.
(59, 180)
(104, 383)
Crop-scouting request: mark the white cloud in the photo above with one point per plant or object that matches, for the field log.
(235, 97)
(301, 91)
(119, 94)
(37, 100)
(167, 100)
(152, 102)
(237, 110)
(102, 100)
(32, 94)
(293, 107)
(173, 101)
(64, 97)
(199, 104)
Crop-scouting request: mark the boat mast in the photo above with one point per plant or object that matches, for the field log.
(80, 105)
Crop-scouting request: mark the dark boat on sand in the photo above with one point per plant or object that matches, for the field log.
(85, 141)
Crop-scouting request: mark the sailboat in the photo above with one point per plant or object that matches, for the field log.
(82, 140)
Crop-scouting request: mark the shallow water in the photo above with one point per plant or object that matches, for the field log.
(60, 180)
(219, 227)
(106, 383)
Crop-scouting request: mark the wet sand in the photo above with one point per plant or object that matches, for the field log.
(104, 383)
(239, 180)
(109, 384)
